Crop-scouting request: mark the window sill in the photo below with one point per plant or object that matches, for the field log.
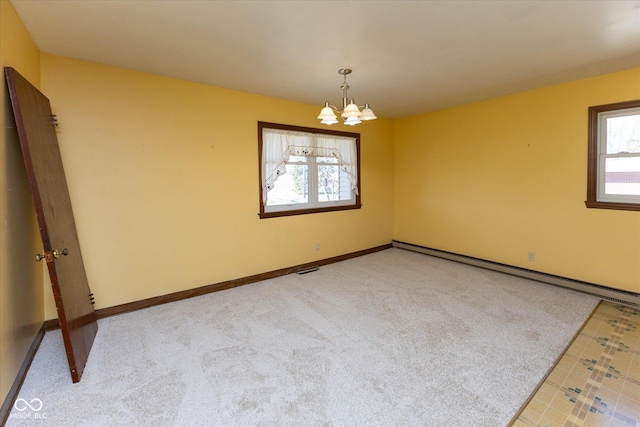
(278, 214)
(612, 205)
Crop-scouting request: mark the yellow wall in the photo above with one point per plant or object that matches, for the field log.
(164, 184)
(21, 278)
(499, 178)
(163, 176)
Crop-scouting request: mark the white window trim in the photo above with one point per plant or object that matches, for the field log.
(603, 156)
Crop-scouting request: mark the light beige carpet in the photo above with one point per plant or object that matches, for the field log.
(392, 338)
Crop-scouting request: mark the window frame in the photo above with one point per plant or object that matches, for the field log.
(303, 211)
(593, 155)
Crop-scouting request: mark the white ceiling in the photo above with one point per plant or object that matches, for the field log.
(408, 57)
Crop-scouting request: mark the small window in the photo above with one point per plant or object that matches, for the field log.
(613, 176)
(305, 170)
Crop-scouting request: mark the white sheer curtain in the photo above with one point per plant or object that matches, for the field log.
(344, 149)
(279, 145)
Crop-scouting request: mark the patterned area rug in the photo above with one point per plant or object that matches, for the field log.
(597, 381)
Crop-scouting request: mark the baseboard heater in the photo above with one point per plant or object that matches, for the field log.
(611, 294)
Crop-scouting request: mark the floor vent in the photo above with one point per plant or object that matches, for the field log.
(611, 294)
(308, 270)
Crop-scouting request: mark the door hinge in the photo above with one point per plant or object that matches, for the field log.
(54, 120)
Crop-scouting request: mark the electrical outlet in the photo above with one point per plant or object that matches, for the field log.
(317, 246)
(531, 256)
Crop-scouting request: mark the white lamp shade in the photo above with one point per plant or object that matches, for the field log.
(351, 110)
(352, 121)
(329, 120)
(327, 113)
(367, 113)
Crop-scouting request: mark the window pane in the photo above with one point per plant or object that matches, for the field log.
(333, 184)
(623, 134)
(327, 160)
(302, 159)
(292, 187)
(622, 176)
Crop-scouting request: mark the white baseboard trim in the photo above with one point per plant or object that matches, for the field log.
(611, 294)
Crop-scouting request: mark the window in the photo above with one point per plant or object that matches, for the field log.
(613, 175)
(305, 170)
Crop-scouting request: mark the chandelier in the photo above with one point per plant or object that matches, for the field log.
(350, 112)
